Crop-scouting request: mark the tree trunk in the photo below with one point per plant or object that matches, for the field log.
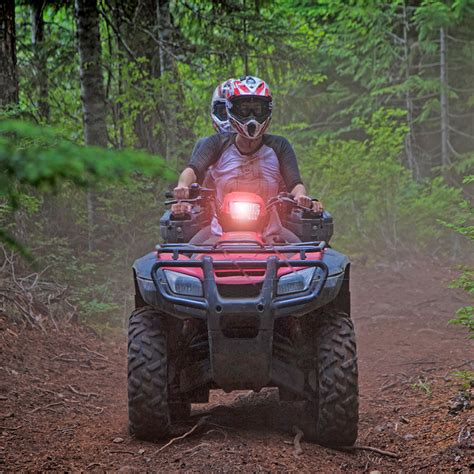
(92, 86)
(410, 137)
(167, 67)
(40, 58)
(8, 72)
(443, 75)
(145, 30)
(92, 90)
(134, 25)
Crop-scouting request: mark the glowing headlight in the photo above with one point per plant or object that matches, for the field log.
(295, 281)
(244, 210)
(183, 284)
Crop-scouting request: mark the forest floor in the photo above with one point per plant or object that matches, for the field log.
(63, 396)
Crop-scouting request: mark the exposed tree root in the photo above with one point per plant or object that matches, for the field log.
(369, 448)
(297, 441)
(201, 422)
(83, 394)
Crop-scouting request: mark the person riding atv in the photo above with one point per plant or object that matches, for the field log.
(245, 292)
(219, 117)
(245, 160)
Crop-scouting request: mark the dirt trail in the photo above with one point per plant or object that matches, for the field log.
(63, 396)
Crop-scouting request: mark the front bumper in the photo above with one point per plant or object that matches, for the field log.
(236, 362)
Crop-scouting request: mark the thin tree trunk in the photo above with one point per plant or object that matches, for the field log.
(244, 42)
(92, 89)
(37, 39)
(8, 71)
(410, 137)
(167, 66)
(443, 75)
(134, 24)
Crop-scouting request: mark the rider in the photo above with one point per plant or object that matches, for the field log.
(247, 159)
(220, 120)
(219, 117)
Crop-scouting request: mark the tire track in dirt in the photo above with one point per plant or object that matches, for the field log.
(63, 396)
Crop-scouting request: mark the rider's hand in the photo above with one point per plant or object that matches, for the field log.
(317, 206)
(181, 192)
(181, 208)
(304, 201)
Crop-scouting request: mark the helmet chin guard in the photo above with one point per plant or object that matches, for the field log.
(251, 129)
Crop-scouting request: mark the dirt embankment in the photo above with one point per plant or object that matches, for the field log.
(63, 396)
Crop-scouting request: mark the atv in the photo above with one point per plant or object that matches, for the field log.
(243, 314)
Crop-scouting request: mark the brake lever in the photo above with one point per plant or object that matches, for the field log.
(289, 199)
(189, 201)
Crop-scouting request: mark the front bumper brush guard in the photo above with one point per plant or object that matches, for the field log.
(242, 363)
(268, 296)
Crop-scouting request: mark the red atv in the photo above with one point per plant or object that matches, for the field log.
(243, 314)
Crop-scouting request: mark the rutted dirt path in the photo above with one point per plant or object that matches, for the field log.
(63, 396)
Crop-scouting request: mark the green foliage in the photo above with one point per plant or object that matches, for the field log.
(423, 385)
(376, 204)
(33, 157)
(356, 90)
(465, 315)
(465, 281)
(40, 157)
(465, 377)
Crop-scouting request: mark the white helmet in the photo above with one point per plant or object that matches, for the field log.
(220, 121)
(249, 106)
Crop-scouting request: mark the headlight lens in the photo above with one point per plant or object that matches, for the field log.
(240, 210)
(295, 281)
(184, 284)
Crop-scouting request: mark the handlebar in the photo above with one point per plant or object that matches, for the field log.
(287, 198)
(196, 194)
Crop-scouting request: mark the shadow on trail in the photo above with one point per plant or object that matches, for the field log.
(254, 412)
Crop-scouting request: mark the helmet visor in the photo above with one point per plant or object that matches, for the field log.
(246, 107)
(220, 111)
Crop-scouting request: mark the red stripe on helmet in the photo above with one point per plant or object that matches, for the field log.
(260, 88)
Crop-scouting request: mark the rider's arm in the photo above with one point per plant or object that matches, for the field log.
(206, 152)
(301, 197)
(287, 160)
(290, 171)
(186, 178)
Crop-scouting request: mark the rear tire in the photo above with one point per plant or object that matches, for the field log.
(148, 412)
(335, 412)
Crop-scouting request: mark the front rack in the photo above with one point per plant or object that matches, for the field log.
(240, 246)
(270, 265)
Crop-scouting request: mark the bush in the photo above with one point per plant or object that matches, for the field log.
(377, 205)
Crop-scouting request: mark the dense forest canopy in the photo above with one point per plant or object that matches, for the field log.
(377, 98)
